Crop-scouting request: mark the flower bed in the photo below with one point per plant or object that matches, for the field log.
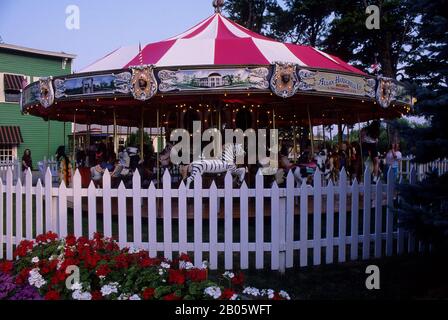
(97, 269)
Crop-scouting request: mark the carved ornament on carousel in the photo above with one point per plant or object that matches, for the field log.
(386, 91)
(285, 81)
(143, 82)
(46, 91)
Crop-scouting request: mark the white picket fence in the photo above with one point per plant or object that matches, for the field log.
(347, 221)
(421, 169)
(15, 167)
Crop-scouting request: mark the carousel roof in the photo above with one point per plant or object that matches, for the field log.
(219, 41)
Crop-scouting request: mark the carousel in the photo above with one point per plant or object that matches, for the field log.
(223, 75)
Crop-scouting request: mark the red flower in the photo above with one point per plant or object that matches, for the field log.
(184, 257)
(147, 262)
(103, 270)
(70, 240)
(148, 293)
(238, 279)
(6, 267)
(176, 277)
(171, 297)
(23, 275)
(197, 275)
(52, 295)
(121, 261)
(23, 248)
(96, 295)
(227, 294)
(47, 237)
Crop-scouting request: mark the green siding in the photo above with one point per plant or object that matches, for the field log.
(34, 130)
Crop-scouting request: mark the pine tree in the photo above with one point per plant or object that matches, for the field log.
(424, 207)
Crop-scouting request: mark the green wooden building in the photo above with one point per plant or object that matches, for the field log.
(20, 66)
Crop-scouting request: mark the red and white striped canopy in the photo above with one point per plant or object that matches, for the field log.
(219, 41)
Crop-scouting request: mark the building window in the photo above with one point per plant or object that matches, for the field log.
(13, 85)
(7, 153)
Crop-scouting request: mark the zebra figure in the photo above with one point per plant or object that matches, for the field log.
(227, 163)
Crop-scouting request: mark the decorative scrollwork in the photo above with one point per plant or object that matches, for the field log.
(59, 86)
(122, 82)
(307, 80)
(386, 91)
(370, 88)
(143, 82)
(285, 81)
(46, 92)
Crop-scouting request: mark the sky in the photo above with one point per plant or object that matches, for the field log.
(105, 25)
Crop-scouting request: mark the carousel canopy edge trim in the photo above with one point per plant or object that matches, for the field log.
(144, 82)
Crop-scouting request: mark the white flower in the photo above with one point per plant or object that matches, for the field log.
(268, 292)
(234, 297)
(135, 297)
(228, 275)
(123, 297)
(214, 292)
(36, 279)
(35, 260)
(76, 286)
(284, 294)
(79, 295)
(251, 291)
(160, 272)
(185, 265)
(165, 265)
(109, 289)
(133, 250)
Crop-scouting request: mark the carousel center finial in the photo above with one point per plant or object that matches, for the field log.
(218, 4)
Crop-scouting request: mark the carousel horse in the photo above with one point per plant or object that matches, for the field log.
(303, 171)
(226, 164)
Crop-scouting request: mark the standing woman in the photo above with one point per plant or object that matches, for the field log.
(64, 165)
(27, 162)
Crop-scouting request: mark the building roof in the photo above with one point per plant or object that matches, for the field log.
(37, 51)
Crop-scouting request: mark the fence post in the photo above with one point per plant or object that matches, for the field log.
(198, 223)
(244, 226)
(367, 199)
(9, 219)
(342, 215)
(137, 209)
(289, 228)
(228, 221)
(29, 204)
(167, 216)
(276, 217)
(259, 220)
(1, 218)
(317, 217)
(19, 212)
(303, 244)
(77, 203)
(389, 212)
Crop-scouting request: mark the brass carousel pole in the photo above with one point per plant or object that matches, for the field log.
(74, 141)
(115, 135)
(311, 130)
(158, 147)
(142, 136)
(360, 147)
